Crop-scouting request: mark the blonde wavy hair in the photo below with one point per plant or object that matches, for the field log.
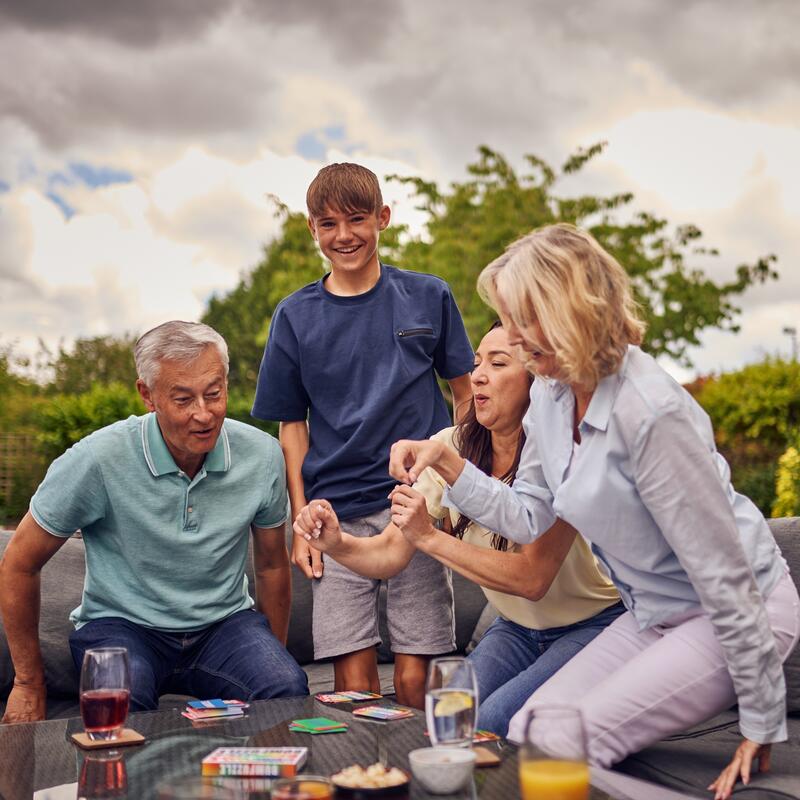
(561, 277)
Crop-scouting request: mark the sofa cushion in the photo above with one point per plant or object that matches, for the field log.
(787, 534)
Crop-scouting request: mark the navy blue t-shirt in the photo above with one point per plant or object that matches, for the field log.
(362, 370)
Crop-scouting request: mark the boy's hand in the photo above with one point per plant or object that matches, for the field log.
(306, 558)
(410, 514)
(318, 525)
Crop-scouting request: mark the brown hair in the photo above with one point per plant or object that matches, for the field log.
(578, 292)
(346, 188)
(474, 443)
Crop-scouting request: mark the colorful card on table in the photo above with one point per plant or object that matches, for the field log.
(205, 710)
(334, 698)
(385, 713)
(274, 761)
(317, 725)
(481, 736)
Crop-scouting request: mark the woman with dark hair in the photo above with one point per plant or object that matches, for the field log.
(551, 598)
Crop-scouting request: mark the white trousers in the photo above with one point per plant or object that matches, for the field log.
(635, 687)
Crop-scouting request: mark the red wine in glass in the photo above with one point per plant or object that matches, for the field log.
(105, 691)
(104, 709)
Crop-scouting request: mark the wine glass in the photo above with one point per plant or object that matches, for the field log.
(105, 691)
(451, 702)
(553, 761)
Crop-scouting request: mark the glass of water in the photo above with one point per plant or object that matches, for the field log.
(451, 702)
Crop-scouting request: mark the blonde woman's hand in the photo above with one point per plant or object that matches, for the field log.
(408, 459)
(741, 766)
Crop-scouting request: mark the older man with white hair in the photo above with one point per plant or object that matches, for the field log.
(166, 503)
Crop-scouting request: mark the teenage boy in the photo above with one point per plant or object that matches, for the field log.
(350, 367)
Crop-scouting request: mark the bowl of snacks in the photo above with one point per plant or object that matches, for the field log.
(374, 781)
(442, 770)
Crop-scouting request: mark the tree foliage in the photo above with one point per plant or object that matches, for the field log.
(755, 412)
(470, 223)
(99, 359)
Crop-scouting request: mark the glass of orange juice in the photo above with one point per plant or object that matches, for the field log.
(553, 760)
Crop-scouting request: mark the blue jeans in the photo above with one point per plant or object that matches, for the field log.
(511, 662)
(238, 658)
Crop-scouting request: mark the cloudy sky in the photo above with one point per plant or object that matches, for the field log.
(139, 140)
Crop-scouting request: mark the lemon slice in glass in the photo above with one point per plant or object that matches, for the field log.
(451, 703)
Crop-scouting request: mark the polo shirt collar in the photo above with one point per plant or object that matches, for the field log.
(160, 461)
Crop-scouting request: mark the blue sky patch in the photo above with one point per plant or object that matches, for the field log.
(66, 209)
(310, 146)
(335, 132)
(94, 176)
(4, 187)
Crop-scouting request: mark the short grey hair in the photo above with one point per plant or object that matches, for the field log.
(175, 341)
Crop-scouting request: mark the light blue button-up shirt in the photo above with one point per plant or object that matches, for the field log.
(163, 550)
(653, 496)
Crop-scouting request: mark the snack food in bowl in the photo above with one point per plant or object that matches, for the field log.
(374, 780)
(442, 770)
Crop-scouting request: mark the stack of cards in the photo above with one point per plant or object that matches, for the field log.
(335, 698)
(283, 761)
(384, 712)
(481, 736)
(204, 710)
(317, 725)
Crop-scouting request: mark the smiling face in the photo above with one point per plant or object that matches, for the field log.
(500, 384)
(189, 401)
(349, 240)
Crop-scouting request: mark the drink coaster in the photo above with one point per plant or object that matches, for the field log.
(127, 736)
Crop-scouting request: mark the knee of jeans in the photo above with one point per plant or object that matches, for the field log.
(494, 717)
(290, 682)
(144, 692)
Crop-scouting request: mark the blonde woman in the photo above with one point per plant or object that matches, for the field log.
(621, 452)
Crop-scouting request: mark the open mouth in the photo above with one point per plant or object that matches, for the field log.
(347, 251)
(203, 434)
(481, 399)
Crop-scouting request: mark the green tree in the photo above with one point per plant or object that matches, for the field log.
(99, 359)
(470, 224)
(755, 412)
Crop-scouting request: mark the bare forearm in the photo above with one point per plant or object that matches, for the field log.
(274, 599)
(19, 604)
(501, 571)
(294, 442)
(377, 557)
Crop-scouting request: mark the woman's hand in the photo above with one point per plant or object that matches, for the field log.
(741, 765)
(318, 524)
(408, 459)
(410, 514)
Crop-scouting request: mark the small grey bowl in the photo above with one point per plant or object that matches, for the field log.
(442, 770)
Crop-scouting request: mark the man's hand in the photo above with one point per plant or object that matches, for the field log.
(25, 703)
(741, 765)
(318, 525)
(410, 514)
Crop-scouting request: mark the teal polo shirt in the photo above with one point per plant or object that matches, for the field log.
(163, 550)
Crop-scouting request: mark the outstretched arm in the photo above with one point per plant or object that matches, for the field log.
(29, 550)
(381, 556)
(527, 573)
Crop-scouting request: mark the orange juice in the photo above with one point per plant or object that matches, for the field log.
(543, 779)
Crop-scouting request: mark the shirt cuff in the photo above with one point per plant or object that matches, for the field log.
(759, 730)
(458, 495)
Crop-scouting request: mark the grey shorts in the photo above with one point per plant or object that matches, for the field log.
(419, 606)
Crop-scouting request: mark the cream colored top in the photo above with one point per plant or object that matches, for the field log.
(579, 590)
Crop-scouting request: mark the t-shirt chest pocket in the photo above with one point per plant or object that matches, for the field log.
(415, 344)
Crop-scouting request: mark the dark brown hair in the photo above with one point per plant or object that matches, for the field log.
(474, 443)
(346, 188)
